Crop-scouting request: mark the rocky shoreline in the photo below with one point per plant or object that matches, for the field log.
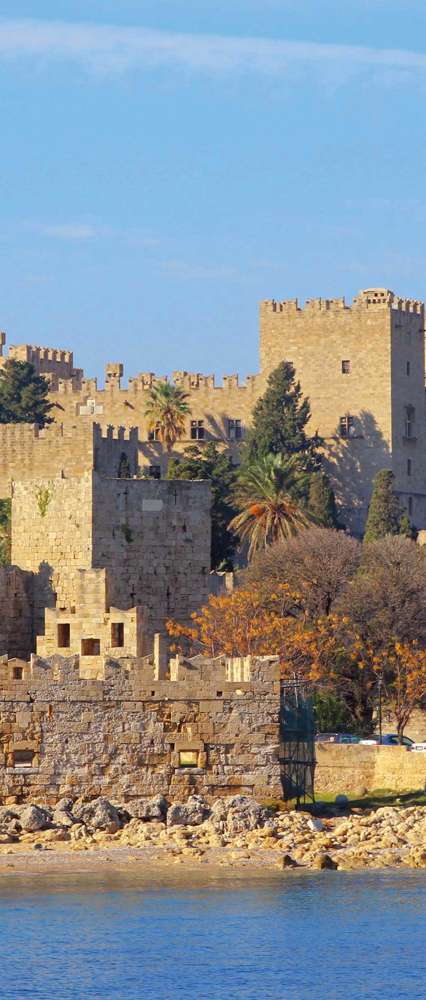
(233, 832)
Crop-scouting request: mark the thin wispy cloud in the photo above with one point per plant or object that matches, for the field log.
(71, 231)
(107, 48)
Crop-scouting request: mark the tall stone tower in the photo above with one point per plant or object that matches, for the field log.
(362, 367)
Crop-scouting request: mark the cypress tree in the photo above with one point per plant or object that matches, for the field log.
(23, 395)
(385, 511)
(279, 421)
(321, 501)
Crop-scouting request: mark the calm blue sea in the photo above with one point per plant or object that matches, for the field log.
(325, 936)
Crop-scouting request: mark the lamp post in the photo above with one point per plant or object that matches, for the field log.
(380, 683)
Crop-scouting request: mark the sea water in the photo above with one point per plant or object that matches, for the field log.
(322, 936)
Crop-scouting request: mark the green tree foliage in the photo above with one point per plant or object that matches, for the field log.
(406, 528)
(331, 714)
(279, 421)
(5, 531)
(23, 395)
(215, 466)
(267, 497)
(385, 511)
(321, 500)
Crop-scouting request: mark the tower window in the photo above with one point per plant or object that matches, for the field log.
(64, 635)
(235, 431)
(197, 430)
(409, 466)
(117, 633)
(23, 758)
(407, 367)
(346, 367)
(409, 421)
(154, 433)
(347, 426)
(90, 647)
(410, 505)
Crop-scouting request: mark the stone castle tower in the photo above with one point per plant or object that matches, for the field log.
(362, 367)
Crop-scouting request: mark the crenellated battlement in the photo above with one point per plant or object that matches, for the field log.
(64, 678)
(50, 361)
(366, 299)
(30, 452)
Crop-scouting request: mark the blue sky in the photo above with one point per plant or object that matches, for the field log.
(165, 165)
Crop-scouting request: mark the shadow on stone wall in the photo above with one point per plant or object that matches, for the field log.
(353, 463)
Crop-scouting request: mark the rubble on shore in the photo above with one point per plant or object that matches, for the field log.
(233, 831)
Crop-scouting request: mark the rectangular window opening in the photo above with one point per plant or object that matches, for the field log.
(410, 505)
(18, 673)
(409, 466)
(408, 368)
(188, 758)
(154, 433)
(347, 427)
(235, 430)
(346, 367)
(23, 758)
(197, 430)
(90, 647)
(117, 633)
(64, 635)
(409, 421)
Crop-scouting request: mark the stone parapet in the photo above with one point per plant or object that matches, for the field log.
(130, 735)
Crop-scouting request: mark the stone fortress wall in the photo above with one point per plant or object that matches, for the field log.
(365, 362)
(214, 729)
(362, 366)
(17, 628)
(28, 452)
(151, 537)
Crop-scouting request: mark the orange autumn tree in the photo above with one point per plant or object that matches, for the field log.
(238, 624)
(402, 670)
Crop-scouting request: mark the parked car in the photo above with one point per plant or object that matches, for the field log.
(336, 738)
(387, 740)
(419, 747)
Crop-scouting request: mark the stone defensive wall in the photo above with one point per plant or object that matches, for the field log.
(47, 361)
(29, 452)
(214, 729)
(355, 769)
(370, 298)
(16, 611)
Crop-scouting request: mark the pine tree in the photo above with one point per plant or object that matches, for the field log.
(279, 421)
(23, 395)
(385, 511)
(406, 528)
(215, 466)
(321, 501)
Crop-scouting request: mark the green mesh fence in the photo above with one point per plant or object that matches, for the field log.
(298, 742)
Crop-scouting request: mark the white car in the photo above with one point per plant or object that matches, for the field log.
(419, 747)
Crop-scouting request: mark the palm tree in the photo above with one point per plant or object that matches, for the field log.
(165, 410)
(266, 496)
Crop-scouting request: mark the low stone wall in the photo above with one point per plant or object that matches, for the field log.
(131, 735)
(342, 768)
